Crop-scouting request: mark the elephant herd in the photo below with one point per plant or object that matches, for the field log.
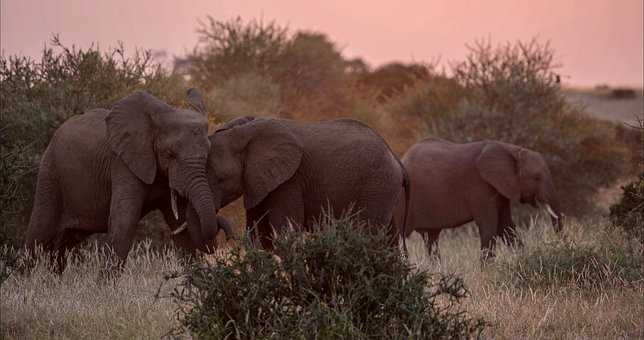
(104, 170)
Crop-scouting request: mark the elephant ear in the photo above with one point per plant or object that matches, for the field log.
(498, 166)
(273, 154)
(130, 132)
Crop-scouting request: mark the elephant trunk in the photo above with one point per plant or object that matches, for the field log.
(201, 200)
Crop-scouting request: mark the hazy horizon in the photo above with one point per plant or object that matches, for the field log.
(597, 42)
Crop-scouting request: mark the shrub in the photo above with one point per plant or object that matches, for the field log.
(231, 48)
(628, 213)
(37, 96)
(633, 137)
(245, 95)
(516, 79)
(339, 281)
(311, 74)
(623, 93)
(391, 79)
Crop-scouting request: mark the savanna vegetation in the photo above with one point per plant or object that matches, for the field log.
(586, 282)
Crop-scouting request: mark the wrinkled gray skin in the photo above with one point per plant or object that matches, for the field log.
(106, 169)
(456, 183)
(293, 171)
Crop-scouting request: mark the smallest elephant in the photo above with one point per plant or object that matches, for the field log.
(453, 184)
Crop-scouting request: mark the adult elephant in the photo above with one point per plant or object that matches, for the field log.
(457, 183)
(105, 169)
(291, 172)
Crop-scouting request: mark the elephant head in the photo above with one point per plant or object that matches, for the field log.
(158, 142)
(251, 156)
(520, 175)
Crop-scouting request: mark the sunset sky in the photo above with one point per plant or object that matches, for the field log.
(597, 41)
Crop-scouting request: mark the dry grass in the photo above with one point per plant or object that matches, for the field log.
(557, 312)
(76, 305)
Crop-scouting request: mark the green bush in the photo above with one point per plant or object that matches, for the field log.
(339, 281)
(37, 96)
(628, 213)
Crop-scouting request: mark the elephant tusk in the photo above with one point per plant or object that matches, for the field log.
(551, 212)
(173, 204)
(180, 229)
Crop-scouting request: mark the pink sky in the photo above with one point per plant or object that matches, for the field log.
(597, 41)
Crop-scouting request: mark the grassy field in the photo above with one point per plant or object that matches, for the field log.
(518, 299)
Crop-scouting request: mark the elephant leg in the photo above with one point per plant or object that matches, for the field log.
(68, 239)
(431, 241)
(486, 219)
(128, 195)
(376, 206)
(283, 206)
(506, 227)
(47, 210)
(259, 228)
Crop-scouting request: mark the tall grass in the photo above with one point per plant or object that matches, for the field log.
(551, 288)
(80, 305)
(77, 305)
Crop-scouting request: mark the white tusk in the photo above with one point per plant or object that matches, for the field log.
(551, 212)
(173, 204)
(180, 229)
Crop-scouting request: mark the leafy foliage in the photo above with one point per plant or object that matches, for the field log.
(340, 281)
(628, 213)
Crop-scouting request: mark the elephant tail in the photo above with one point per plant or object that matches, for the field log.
(403, 226)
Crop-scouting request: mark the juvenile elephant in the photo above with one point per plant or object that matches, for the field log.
(290, 171)
(105, 169)
(456, 183)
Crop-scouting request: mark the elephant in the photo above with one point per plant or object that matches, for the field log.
(105, 169)
(454, 184)
(291, 172)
